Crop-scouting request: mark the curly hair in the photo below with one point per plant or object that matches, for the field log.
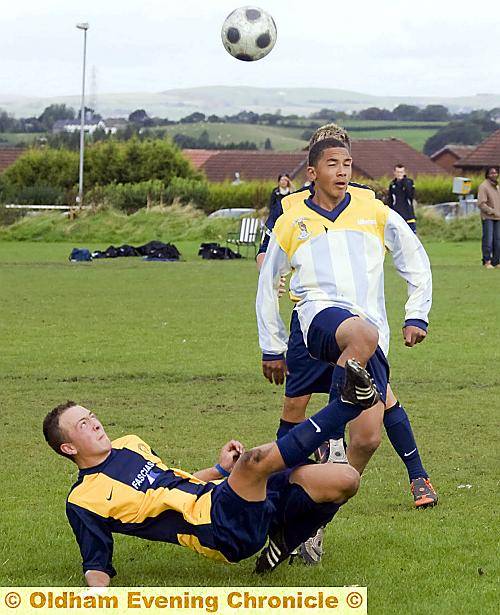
(330, 131)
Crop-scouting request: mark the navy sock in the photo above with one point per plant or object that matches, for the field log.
(302, 516)
(305, 438)
(284, 428)
(335, 391)
(399, 431)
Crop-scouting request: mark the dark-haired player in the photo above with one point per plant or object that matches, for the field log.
(306, 375)
(124, 487)
(342, 256)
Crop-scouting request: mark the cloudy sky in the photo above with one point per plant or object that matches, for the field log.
(385, 47)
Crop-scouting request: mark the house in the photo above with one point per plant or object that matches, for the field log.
(113, 124)
(8, 155)
(223, 165)
(90, 126)
(484, 155)
(449, 154)
(373, 158)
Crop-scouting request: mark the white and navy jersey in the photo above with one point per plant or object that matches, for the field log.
(337, 259)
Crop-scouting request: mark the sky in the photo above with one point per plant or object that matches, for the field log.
(383, 47)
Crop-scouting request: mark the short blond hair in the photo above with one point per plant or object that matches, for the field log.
(330, 131)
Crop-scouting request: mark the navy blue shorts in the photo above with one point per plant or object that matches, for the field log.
(305, 374)
(322, 345)
(240, 528)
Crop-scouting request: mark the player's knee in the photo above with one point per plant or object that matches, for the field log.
(254, 460)
(348, 482)
(364, 342)
(368, 338)
(294, 408)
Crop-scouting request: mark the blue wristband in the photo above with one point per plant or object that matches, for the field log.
(221, 470)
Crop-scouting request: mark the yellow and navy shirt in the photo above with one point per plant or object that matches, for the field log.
(337, 260)
(132, 492)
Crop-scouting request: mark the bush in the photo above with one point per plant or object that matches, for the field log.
(127, 197)
(136, 161)
(43, 167)
(40, 195)
(110, 162)
(247, 194)
(9, 216)
(187, 191)
(130, 197)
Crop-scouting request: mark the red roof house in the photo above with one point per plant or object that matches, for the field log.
(373, 158)
(449, 154)
(8, 155)
(484, 155)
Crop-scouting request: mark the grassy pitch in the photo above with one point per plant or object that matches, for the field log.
(169, 351)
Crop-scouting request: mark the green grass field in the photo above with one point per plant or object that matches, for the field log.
(289, 139)
(15, 138)
(169, 351)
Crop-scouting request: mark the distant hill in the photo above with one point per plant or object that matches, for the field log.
(225, 100)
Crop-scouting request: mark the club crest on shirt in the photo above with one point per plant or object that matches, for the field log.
(304, 233)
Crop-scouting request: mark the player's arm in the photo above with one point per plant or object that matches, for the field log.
(273, 337)
(412, 264)
(410, 190)
(390, 197)
(275, 211)
(229, 455)
(95, 542)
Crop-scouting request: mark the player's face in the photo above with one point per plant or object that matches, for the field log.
(399, 172)
(333, 172)
(85, 433)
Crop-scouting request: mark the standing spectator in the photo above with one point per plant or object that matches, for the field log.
(237, 179)
(488, 201)
(284, 188)
(401, 194)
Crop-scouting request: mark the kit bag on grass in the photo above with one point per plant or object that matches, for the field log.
(80, 254)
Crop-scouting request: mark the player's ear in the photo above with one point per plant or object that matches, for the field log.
(68, 449)
(311, 173)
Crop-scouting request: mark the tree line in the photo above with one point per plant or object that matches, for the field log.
(140, 118)
(468, 128)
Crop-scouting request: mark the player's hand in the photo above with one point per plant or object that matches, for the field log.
(259, 259)
(413, 335)
(230, 453)
(282, 287)
(275, 371)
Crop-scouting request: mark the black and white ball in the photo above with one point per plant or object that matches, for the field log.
(249, 33)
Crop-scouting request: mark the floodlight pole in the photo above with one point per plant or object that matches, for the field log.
(79, 198)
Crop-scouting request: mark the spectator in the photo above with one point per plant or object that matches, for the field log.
(401, 195)
(237, 179)
(488, 201)
(284, 188)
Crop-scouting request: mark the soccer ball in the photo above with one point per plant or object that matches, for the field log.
(248, 33)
